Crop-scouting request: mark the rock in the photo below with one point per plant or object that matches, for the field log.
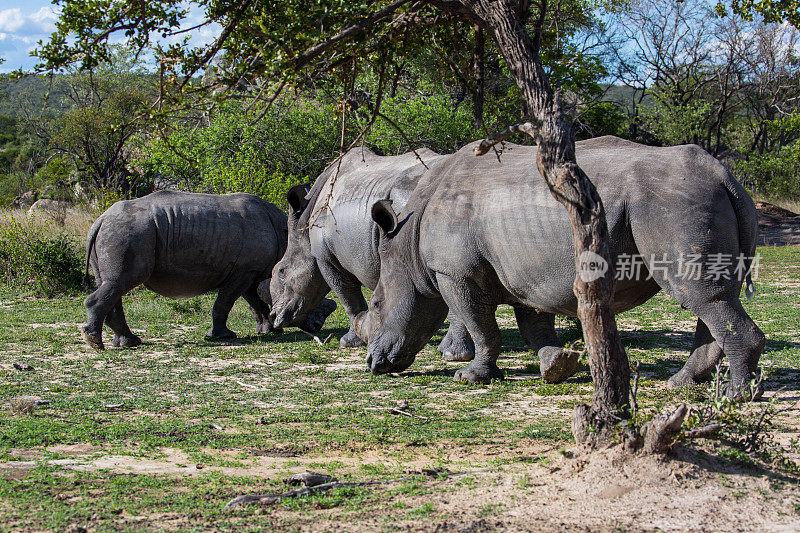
(28, 199)
(52, 209)
(557, 364)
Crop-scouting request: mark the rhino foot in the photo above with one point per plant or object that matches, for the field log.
(225, 335)
(744, 392)
(351, 340)
(316, 319)
(126, 341)
(457, 350)
(557, 364)
(265, 328)
(479, 373)
(682, 379)
(92, 340)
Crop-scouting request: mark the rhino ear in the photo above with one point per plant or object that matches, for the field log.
(297, 198)
(384, 216)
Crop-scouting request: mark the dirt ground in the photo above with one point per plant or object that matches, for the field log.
(777, 226)
(512, 483)
(527, 485)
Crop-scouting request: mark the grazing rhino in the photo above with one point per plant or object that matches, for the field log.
(478, 232)
(332, 240)
(181, 244)
(333, 244)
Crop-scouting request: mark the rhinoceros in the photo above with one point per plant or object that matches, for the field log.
(181, 244)
(478, 232)
(332, 240)
(333, 244)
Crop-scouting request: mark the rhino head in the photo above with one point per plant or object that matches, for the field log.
(297, 287)
(405, 311)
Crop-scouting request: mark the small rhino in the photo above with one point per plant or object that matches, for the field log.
(181, 244)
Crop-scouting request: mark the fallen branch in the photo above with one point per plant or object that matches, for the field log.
(704, 432)
(399, 409)
(246, 385)
(661, 432)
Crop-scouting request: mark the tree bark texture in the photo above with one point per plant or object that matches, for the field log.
(480, 76)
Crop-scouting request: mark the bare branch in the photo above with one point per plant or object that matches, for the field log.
(313, 52)
(523, 127)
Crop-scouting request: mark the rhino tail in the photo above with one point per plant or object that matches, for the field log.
(747, 218)
(91, 238)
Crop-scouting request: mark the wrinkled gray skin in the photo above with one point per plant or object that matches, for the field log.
(182, 245)
(477, 233)
(333, 242)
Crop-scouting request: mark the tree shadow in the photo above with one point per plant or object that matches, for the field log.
(722, 465)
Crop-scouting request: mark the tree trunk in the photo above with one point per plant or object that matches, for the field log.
(505, 19)
(478, 66)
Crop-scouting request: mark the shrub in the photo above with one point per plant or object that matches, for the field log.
(31, 259)
(774, 174)
(430, 120)
(233, 152)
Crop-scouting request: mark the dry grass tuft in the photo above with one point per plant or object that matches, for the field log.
(24, 405)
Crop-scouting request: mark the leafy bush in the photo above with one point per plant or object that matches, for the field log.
(292, 143)
(429, 120)
(681, 124)
(32, 259)
(603, 118)
(234, 152)
(774, 174)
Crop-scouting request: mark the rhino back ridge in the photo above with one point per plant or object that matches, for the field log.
(499, 220)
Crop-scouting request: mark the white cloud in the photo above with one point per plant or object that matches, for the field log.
(20, 31)
(13, 21)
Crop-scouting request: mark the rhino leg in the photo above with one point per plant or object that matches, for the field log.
(226, 297)
(98, 306)
(348, 289)
(468, 301)
(123, 336)
(737, 336)
(705, 355)
(316, 318)
(537, 329)
(457, 345)
(259, 309)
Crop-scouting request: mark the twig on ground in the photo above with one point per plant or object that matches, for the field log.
(270, 499)
(400, 409)
(317, 339)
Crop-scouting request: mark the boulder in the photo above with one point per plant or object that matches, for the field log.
(557, 364)
(52, 209)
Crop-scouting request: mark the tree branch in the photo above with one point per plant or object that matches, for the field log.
(309, 55)
(485, 145)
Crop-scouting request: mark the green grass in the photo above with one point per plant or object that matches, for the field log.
(228, 407)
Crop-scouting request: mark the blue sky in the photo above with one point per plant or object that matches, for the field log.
(23, 23)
